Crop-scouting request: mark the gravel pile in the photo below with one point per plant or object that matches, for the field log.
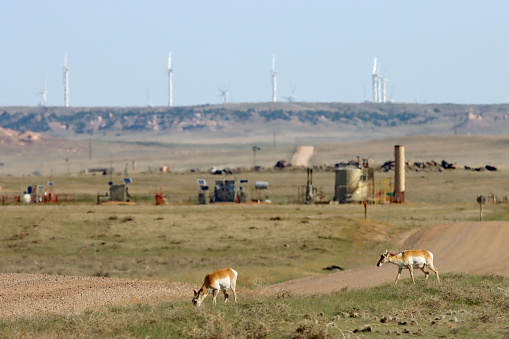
(27, 295)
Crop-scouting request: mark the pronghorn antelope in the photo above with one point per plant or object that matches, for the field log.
(220, 280)
(410, 259)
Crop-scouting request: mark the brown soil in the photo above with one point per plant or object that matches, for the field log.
(474, 248)
(36, 294)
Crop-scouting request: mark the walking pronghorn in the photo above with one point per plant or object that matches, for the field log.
(410, 259)
(220, 280)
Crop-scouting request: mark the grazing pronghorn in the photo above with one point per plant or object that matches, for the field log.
(220, 280)
(410, 259)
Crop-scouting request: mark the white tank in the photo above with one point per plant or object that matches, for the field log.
(348, 185)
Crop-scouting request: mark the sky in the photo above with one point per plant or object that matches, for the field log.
(117, 51)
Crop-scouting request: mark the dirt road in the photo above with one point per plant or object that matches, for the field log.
(474, 248)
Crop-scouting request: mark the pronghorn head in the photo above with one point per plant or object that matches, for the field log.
(383, 258)
(198, 297)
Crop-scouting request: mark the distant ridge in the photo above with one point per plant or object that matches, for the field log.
(382, 119)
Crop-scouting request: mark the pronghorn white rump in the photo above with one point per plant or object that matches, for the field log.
(410, 259)
(220, 280)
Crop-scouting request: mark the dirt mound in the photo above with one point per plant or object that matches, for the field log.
(474, 248)
(9, 136)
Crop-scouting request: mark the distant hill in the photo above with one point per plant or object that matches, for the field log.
(359, 121)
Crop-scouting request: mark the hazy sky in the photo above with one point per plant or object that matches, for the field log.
(430, 51)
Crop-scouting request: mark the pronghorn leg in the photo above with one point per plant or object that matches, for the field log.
(434, 269)
(214, 295)
(399, 273)
(225, 296)
(232, 287)
(411, 269)
(426, 273)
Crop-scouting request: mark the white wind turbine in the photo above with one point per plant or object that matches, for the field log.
(44, 94)
(224, 93)
(170, 83)
(375, 82)
(66, 82)
(274, 72)
(292, 97)
(149, 104)
(379, 84)
(384, 85)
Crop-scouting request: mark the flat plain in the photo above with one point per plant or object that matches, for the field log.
(80, 269)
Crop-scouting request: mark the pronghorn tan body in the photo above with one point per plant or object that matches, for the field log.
(220, 280)
(410, 259)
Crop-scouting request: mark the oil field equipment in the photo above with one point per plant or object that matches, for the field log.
(310, 190)
(261, 186)
(352, 184)
(202, 195)
(224, 191)
(119, 193)
(241, 193)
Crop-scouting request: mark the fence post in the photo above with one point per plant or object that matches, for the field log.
(480, 203)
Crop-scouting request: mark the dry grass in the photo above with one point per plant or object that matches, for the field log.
(183, 242)
(179, 243)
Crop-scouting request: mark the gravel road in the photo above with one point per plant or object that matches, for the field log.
(34, 294)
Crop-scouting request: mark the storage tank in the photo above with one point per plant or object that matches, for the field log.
(348, 185)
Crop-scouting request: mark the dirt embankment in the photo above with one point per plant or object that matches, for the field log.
(474, 248)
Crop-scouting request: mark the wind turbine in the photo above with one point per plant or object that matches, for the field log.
(170, 83)
(384, 85)
(66, 82)
(224, 93)
(274, 72)
(379, 84)
(44, 94)
(149, 104)
(292, 97)
(374, 79)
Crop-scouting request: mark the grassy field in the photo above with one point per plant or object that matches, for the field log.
(268, 243)
(183, 242)
(460, 307)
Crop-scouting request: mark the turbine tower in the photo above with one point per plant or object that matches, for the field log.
(374, 78)
(384, 82)
(274, 72)
(379, 84)
(170, 83)
(66, 82)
